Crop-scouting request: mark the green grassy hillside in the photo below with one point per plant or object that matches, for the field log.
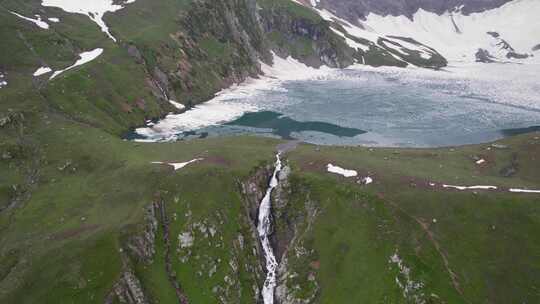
(86, 217)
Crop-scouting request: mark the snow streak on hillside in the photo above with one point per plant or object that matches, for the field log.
(94, 9)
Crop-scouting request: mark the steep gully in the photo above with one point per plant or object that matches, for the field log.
(264, 229)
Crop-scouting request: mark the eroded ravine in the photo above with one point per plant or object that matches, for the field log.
(264, 229)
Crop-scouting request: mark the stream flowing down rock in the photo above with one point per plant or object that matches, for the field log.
(264, 229)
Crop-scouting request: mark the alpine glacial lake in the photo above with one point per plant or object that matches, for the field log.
(371, 107)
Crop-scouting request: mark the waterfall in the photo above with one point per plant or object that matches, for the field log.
(264, 229)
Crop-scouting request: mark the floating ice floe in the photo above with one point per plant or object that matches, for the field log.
(470, 187)
(84, 58)
(338, 170)
(42, 24)
(55, 20)
(94, 9)
(42, 71)
(178, 166)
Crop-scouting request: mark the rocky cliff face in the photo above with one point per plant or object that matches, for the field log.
(294, 31)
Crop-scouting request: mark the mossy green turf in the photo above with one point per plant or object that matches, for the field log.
(71, 191)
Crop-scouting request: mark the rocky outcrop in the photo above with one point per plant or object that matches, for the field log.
(304, 36)
(292, 219)
(127, 290)
(164, 220)
(484, 56)
(142, 246)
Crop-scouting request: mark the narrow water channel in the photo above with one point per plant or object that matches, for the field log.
(264, 229)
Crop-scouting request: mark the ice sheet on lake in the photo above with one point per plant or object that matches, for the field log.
(231, 103)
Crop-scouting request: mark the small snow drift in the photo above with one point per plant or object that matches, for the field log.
(514, 190)
(177, 105)
(3, 81)
(42, 24)
(338, 170)
(42, 71)
(470, 187)
(366, 180)
(84, 58)
(94, 9)
(178, 166)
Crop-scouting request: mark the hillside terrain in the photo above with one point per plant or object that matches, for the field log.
(87, 217)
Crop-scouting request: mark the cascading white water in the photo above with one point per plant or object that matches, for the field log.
(265, 229)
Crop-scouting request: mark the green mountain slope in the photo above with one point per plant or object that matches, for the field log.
(86, 217)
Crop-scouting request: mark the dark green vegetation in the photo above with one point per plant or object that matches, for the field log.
(284, 126)
(85, 217)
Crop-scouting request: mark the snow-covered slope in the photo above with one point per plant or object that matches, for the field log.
(459, 37)
(94, 9)
(506, 33)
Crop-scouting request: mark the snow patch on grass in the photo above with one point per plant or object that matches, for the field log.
(40, 23)
(514, 190)
(42, 71)
(178, 166)
(338, 170)
(177, 105)
(480, 161)
(94, 9)
(84, 58)
(3, 81)
(470, 187)
(367, 180)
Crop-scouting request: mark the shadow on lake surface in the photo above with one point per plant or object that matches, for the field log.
(283, 126)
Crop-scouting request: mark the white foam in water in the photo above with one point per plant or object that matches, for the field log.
(94, 9)
(85, 57)
(264, 229)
